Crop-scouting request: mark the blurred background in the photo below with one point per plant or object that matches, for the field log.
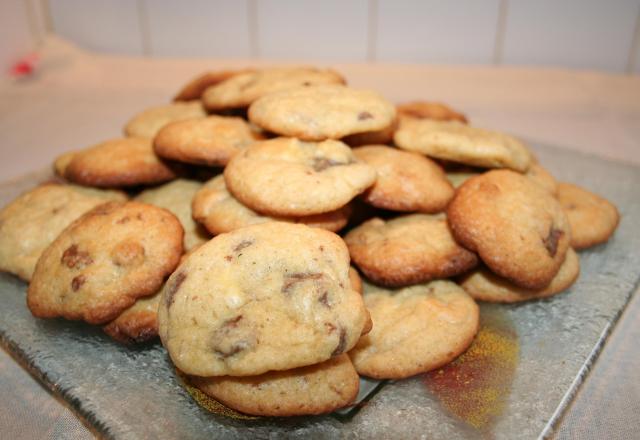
(584, 34)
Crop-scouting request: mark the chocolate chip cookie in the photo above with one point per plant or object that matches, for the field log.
(273, 296)
(407, 250)
(288, 177)
(518, 228)
(104, 261)
(415, 329)
(316, 113)
(406, 181)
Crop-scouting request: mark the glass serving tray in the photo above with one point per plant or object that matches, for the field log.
(518, 377)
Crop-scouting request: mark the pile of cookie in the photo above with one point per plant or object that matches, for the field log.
(268, 316)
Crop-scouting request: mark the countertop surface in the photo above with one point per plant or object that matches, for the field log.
(75, 99)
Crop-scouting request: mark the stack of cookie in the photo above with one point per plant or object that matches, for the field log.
(269, 317)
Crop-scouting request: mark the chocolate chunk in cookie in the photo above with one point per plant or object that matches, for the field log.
(273, 296)
(104, 261)
(516, 226)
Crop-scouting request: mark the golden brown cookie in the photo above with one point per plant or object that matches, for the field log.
(356, 281)
(516, 226)
(208, 141)
(407, 250)
(220, 212)
(147, 123)
(461, 143)
(593, 219)
(241, 90)
(196, 87)
(542, 177)
(117, 163)
(138, 323)
(415, 329)
(104, 261)
(484, 285)
(315, 389)
(430, 110)
(30, 223)
(316, 113)
(62, 162)
(273, 296)
(377, 137)
(406, 181)
(288, 177)
(176, 196)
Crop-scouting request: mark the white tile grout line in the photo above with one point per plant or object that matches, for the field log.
(33, 23)
(372, 31)
(635, 46)
(143, 23)
(252, 24)
(501, 28)
(45, 8)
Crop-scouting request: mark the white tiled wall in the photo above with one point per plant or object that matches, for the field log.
(436, 31)
(110, 26)
(328, 29)
(575, 33)
(204, 28)
(591, 34)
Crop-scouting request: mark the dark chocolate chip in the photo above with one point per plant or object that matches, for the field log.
(174, 287)
(324, 299)
(235, 349)
(364, 115)
(243, 245)
(551, 241)
(74, 258)
(77, 282)
(342, 343)
(322, 163)
(294, 278)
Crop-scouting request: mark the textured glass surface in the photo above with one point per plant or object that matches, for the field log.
(516, 379)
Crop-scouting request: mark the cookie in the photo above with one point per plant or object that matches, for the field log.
(241, 90)
(315, 389)
(118, 163)
(30, 223)
(220, 212)
(316, 113)
(147, 123)
(542, 177)
(377, 137)
(430, 110)
(205, 141)
(98, 266)
(484, 285)
(406, 181)
(518, 228)
(460, 143)
(415, 329)
(356, 281)
(196, 87)
(273, 296)
(407, 250)
(459, 176)
(288, 177)
(138, 323)
(593, 219)
(61, 163)
(176, 196)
